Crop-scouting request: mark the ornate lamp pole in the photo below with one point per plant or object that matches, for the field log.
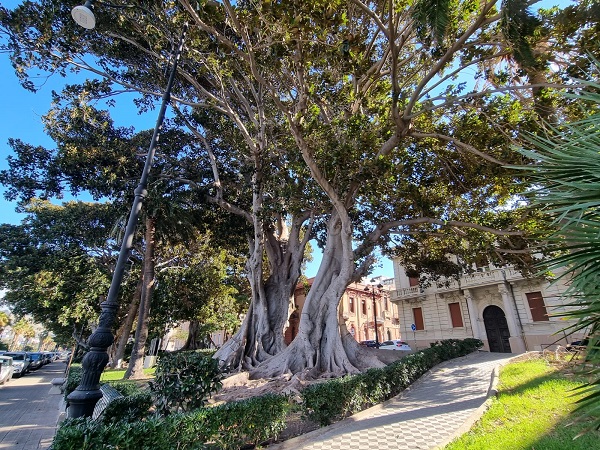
(372, 288)
(84, 398)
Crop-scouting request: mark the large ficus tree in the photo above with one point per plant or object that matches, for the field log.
(360, 123)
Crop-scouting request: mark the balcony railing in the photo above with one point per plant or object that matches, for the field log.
(476, 279)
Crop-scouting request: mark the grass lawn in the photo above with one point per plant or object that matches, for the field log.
(533, 410)
(117, 374)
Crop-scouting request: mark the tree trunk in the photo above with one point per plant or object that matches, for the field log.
(194, 341)
(125, 329)
(261, 333)
(323, 347)
(136, 363)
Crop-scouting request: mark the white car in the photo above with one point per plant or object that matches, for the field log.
(395, 344)
(6, 369)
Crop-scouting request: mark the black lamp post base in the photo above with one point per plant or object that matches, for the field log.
(82, 403)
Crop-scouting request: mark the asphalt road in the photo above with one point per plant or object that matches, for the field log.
(28, 413)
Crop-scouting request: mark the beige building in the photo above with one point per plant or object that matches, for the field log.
(356, 309)
(508, 312)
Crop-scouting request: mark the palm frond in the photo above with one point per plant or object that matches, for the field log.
(565, 170)
(432, 16)
(517, 24)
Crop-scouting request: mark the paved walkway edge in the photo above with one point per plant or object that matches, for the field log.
(297, 442)
(492, 393)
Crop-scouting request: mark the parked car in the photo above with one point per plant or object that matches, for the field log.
(21, 361)
(37, 361)
(395, 344)
(48, 357)
(6, 368)
(578, 345)
(369, 343)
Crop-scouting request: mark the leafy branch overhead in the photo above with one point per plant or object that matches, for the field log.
(361, 124)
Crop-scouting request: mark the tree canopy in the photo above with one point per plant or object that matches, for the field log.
(363, 124)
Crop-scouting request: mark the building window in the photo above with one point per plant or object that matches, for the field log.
(455, 315)
(413, 281)
(385, 302)
(418, 316)
(363, 304)
(351, 304)
(537, 306)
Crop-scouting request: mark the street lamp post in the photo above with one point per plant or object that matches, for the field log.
(372, 288)
(84, 398)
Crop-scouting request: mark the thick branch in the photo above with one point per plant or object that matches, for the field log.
(459, 144)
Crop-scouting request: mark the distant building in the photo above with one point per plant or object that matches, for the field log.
(356, 309)
(508, 312)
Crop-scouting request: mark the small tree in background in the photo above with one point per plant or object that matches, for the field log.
(184, 381)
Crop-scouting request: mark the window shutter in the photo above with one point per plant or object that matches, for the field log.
(455, 315)
(418, 315)
(537, 307)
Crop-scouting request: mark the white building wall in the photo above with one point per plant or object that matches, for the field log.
(485, 288)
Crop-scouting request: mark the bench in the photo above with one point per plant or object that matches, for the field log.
(109, 393)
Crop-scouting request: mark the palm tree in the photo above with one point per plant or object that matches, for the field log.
(567, 177)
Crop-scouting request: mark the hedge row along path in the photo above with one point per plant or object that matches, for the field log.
(440, 406)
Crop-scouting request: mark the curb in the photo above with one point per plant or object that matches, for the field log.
(492, 393)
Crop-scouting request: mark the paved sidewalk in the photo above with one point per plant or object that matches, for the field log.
(437, 408)
(28, 413)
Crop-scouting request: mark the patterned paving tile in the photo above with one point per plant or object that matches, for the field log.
(423, 417)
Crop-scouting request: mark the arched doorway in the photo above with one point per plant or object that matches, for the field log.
(496, 329)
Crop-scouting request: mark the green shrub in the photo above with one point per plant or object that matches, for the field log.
(453, 348)
(250, 421)
(333, 399)
(129, 409)
(228, 426)
(126, 387)
(88, 434)
(184, 380)
(73, 379)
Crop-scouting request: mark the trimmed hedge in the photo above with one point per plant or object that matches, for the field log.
(253, 421)
(73, 379)
(335, 399)
(227, 426)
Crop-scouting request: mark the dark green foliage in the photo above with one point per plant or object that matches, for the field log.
(453, 348)
(228, 426)
(73, 379)
(432, 18)
(128, 409)
(184, 380)
(133, 406)
(254, 420)
(518, 24)
(338, 398)
(125, 387)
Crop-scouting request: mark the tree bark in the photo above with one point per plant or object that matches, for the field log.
(194, 340)
(136, 363)
(323, 347)
(261, 333)
(125, 329)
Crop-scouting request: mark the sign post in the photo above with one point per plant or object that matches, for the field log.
(413, 327)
